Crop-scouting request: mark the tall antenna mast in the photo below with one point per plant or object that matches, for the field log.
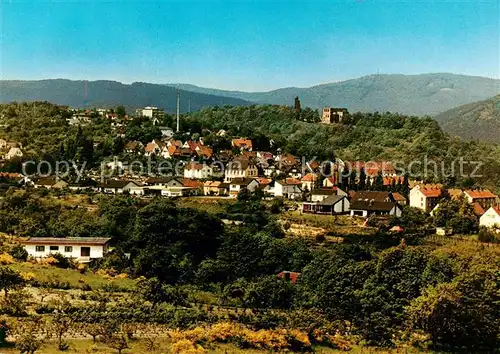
(85, 101)
(178, 103)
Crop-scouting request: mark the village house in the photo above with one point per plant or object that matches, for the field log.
(166, 132)
(12, 177)
(82, 249)
(191, 186)
(317, 195)
(366, 204)
(264, 155)
(309, 181)
(133, 147)
(330, 182)
(242, 144)
(198, 170)
(176, 143)
(163, 182)
(425, 197)
(333, 204)
(491, 218)
(119, 187)
(484, 198)
(157, 148)
(239, 184)
(399, 198)
(50, 182)
(240, 169)
(204, 152)
(287, 188)
(264, 184)
(372, 169)
(211, 187)
(13, 153)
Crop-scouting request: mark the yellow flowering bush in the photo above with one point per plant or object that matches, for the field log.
(223, 331)
(27, 276)
(301, 337)
(49, 261)
(336, 341)
(265, 339)
(185, 346)
(121, 276)
(6, 259)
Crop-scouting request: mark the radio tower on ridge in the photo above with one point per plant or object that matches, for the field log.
(178, 103)
(85, 99)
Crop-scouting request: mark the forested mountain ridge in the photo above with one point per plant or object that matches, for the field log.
(425, 94)
(106, 94)
(478, 120)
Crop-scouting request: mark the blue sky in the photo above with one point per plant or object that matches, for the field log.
(246, 45)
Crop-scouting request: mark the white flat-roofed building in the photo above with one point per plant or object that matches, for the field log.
(83, 249)
(150, 112)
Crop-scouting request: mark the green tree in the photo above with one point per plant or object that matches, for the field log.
(462, 313)
(169, 242)
(121, 112)
(9, 279)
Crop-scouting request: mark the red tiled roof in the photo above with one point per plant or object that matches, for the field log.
(173, 142)
(173, 150)
(480, 194)
(213, 184)
(194, 166)
(497, 209)
(191, 183)
(10, 175)
(204, 151)
(245, 143)
(478, 209)
(193, 145)
(292, 276)
(431, 193)
(372, 168)
(310, 177)
(398, 197)
(264, 181)
(389, 180)
(291, 181)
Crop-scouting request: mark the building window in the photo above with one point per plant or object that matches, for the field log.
(40, 248)
(54, 248)
(68, 249)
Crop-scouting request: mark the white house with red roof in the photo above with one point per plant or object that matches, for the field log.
(491, 218)
(483, 197)
(309, 181)
(287, 188)
(197, 170)
(425, 197)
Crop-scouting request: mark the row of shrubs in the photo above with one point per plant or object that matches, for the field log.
(274, 340)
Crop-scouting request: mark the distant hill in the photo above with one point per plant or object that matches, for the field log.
(478, 120)
(426, 94)
(108, 94)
